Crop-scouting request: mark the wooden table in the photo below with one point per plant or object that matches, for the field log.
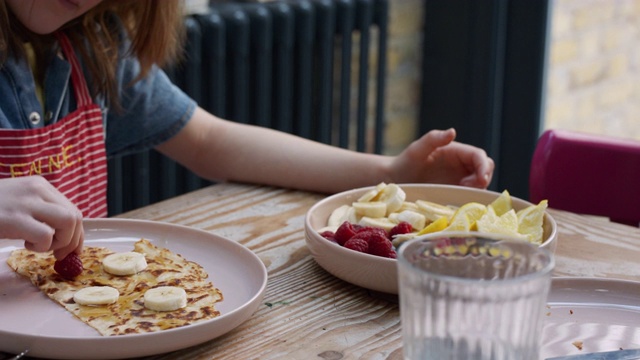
(309, 314)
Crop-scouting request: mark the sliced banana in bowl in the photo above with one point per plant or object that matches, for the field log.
(426, 207)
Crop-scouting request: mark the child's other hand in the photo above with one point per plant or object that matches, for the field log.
(33, 210)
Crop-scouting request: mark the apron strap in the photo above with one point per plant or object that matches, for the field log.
(79, 84)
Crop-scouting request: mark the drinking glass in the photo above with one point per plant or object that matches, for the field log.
(472, 296)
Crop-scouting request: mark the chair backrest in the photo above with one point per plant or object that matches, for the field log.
(587, 174)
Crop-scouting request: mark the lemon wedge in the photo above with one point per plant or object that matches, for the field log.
(473, 210)
(502, 203)
(459, 223)
(435, 226)
(506, 224)
(530, 221)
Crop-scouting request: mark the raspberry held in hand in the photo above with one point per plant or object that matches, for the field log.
(69, 267)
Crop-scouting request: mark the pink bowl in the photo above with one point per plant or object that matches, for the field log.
(378, 273)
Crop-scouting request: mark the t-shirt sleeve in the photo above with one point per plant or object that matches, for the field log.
(152, 110)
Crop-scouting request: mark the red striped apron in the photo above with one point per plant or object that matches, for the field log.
(69, 153)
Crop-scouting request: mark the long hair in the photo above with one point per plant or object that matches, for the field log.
(154, 27)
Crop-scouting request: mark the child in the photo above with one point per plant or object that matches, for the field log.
(81, 80)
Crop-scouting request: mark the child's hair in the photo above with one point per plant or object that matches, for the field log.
(155, 28)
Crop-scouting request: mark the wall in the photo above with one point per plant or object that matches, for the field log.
(403, 73)
(593, 75)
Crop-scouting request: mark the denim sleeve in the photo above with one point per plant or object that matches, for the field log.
(152, 110)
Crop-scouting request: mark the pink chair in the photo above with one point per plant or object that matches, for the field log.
(587, 174)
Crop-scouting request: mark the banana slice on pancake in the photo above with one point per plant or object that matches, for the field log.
(124, 263)
(96, 295)
(165, 298)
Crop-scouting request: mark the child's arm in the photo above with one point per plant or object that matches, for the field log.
(222, 150)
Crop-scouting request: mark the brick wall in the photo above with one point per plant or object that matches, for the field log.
(403, 73)
(593, 72)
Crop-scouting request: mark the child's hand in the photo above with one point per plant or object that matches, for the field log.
(33, 210)
(436, 158)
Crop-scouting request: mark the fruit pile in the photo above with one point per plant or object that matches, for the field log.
(161, 298)
(386, 209)
(367, 239)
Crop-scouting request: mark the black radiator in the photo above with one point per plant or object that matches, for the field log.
(291, 65)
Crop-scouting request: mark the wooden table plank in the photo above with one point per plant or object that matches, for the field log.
(596, 247)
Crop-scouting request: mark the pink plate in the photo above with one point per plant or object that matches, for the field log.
(29, 320)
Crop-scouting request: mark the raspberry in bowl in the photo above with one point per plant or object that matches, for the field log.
(374, 266)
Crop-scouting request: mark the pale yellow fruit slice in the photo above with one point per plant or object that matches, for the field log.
(465, 217)
(417, 220)
(433, 211)
(530, 221)
(473, 210)
(401, 238)
(382, 223)
(459, 223)
(392, 196)
(371, 194)
(435, 226)
(340, 215)
(408, 205)
(373, 209)
(507, 224)
(502, 203)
